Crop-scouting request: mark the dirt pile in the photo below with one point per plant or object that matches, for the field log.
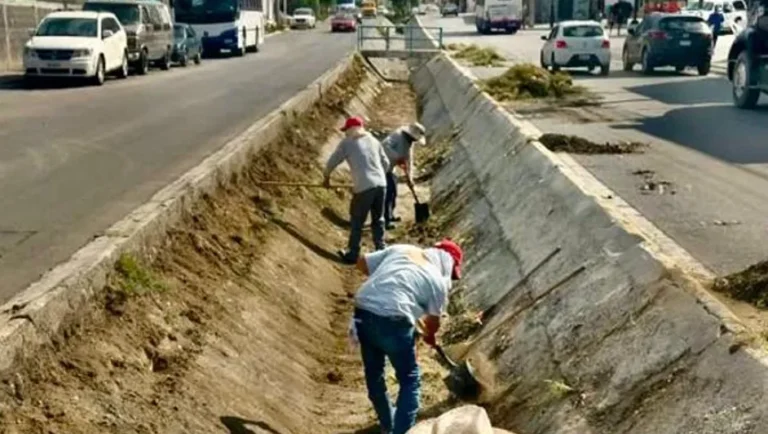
(526, 81)
(580, 145)
(476, 55)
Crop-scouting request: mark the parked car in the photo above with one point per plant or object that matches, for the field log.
(577, 44)
(343, 22)
(748, 60)
(669, 40)
(303, 18)
(148, 26)
(734, 11)
(76, 44)
(450, 9)
(186, 45)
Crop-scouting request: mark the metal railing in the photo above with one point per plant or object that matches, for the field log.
(400, 37)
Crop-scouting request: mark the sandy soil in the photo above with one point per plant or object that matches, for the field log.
(236, 324)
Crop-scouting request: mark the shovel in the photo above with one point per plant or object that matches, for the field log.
(461, 380)
(420, 210)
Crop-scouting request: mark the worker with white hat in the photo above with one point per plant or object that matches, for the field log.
(399, 149)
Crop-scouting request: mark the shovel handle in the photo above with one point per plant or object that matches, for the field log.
(413, 192)
(444, 356)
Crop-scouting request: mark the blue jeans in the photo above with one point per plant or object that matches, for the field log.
(390, 200)
(395, 339)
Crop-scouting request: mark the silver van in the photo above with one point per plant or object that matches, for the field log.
(149, 27)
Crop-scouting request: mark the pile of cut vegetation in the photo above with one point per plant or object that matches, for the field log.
(750, 285)
(476, 56)
(526, 81)
(580, 145)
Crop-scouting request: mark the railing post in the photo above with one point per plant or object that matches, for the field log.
(386, 37)
(440, 40)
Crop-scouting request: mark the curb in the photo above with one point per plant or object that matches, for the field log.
(32, 317)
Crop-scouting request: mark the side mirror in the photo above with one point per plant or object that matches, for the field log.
(544, 38)
(31, 32)
(107, 34)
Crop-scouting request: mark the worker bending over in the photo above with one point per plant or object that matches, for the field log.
(368, 165)
(399, 148)
(406, 284)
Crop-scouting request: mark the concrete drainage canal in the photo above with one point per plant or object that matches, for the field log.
(234, 318)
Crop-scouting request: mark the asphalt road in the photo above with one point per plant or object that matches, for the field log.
(714, 156)
(75, 160)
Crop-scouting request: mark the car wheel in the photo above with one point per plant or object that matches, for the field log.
(165, 62)
(704, 67)
(123, 71)
(512, 31)
(605, 69)
(143, 66)
(198, 57)
(184, 61)
(99, 77)
(625, 60)
(541, 60)
(743, 96)
(679, 68)
(647, 65)
(553, 64)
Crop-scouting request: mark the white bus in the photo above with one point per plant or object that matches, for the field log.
(504, 15)
(234, 26)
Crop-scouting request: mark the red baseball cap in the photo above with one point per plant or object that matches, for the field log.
(354, 121)
(454, 250)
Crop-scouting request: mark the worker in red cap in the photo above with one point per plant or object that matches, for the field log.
(407, 285)
(368, 165)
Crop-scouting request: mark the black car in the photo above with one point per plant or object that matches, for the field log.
(186, 45)
(669, 40)
(748, 59)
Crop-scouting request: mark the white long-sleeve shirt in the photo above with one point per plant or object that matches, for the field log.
(368, 163)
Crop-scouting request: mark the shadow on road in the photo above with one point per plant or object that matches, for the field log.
(722, 131)
(704, 91)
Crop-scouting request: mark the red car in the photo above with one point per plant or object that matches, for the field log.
(345, 22)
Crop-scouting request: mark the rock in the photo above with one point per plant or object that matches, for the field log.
(469, 419)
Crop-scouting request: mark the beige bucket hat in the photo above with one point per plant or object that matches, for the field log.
(417, 131)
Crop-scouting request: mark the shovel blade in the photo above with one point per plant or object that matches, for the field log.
(421, 211)
(462, 383)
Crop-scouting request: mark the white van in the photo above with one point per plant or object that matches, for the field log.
(504, 15)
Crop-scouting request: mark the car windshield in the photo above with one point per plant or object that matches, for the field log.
(585, 31)
(178, 32)
(302, 11)
(344, 15)
(498, 10)
(686, 24)
(126, 13)
(78, 27)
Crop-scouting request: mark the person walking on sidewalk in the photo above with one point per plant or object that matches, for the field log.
(715, 21)
(368, 165)
(399, 149)
(406, 285)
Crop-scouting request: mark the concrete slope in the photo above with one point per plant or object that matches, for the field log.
(591, 330)
(75, 160)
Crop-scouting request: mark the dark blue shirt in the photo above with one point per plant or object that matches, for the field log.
(716, 20)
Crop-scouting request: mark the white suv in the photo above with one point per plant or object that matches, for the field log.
(77, 44)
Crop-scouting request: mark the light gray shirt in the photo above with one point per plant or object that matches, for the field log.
(399, 149)
(367, 161)
(403, 285)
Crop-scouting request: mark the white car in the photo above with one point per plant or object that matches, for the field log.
(303, 18)
(734, 11)
(77, 44)
(577, 44)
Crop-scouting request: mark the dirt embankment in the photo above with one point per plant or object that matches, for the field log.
(237, 322)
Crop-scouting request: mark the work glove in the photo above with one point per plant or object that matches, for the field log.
(430, 340)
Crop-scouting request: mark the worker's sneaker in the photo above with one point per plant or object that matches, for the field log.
(390, 226)
(396, 219)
